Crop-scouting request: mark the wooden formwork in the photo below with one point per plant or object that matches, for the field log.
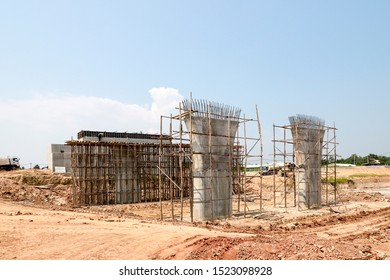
(116, 173)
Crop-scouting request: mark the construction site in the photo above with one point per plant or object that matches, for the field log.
(188, 193)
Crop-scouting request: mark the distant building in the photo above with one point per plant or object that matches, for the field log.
(59, 158)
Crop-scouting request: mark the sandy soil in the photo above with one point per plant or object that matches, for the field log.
(38, 222)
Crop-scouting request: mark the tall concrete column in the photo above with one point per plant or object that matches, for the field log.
(213, 129)
(308, 133)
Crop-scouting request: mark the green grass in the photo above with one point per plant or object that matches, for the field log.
(349, 180)
(339, 180)
(365, 175)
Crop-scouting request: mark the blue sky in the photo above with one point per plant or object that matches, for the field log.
(72, 65)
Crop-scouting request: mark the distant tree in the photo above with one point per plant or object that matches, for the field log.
(359, 160)
(354, 159)
(36, 166)
(330, 160)
(384, 160)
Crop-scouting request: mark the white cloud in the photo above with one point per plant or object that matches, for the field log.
(164, 100)
(29, 126)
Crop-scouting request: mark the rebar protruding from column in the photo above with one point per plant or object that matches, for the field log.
(213, 129)
(308, 133)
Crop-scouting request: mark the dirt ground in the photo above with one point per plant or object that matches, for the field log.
(37, 221)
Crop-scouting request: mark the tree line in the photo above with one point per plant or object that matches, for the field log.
(371, 159)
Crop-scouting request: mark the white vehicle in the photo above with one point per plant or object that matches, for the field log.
(9, 163)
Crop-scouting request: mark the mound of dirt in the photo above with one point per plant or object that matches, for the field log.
(36, 187)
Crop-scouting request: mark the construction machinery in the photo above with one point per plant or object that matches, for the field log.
(9, 163)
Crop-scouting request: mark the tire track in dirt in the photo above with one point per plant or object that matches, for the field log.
(326, 237)
(339, 226)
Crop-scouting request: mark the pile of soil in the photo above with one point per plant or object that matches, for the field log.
(38, 187)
